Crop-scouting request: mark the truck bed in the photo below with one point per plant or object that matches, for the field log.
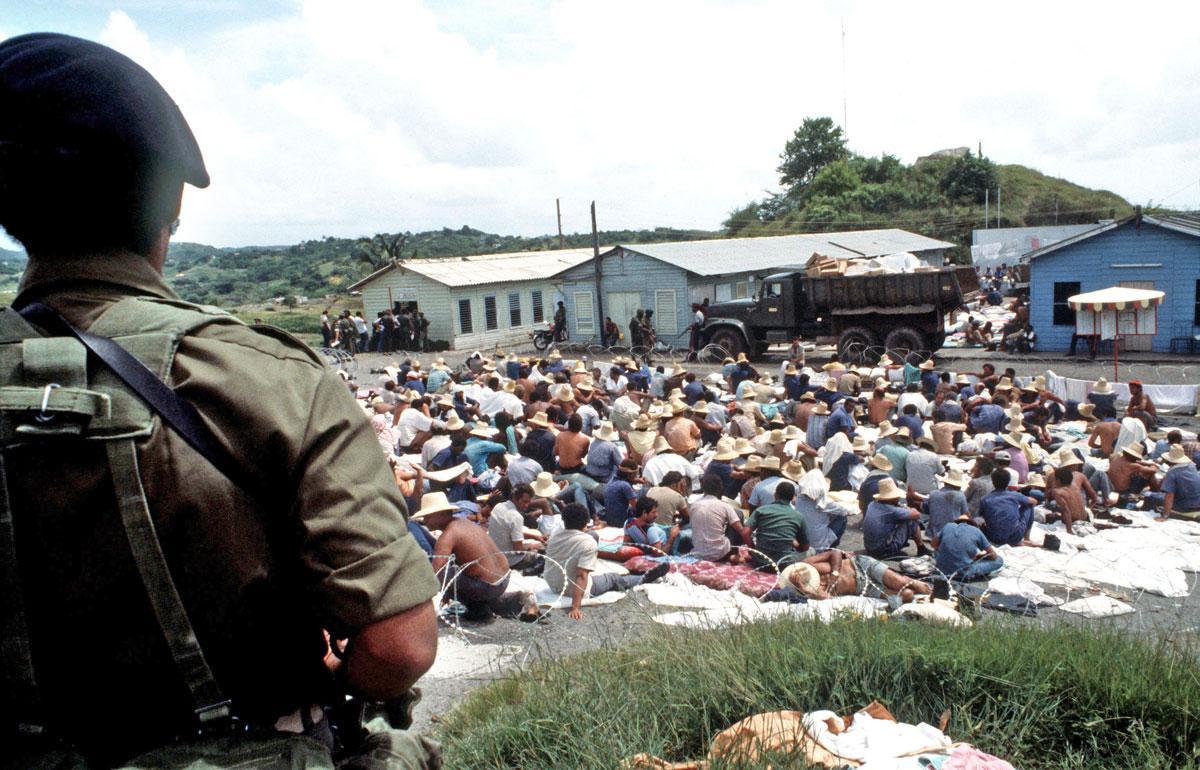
(893, 293)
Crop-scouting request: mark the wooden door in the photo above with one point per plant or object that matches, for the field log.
(1137, 341)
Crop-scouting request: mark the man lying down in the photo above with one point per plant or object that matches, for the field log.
(839, 573)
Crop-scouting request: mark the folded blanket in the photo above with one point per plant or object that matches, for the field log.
(715, 575)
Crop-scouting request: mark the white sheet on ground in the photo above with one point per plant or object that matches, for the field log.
(876, 743)
(1166, 398)
(825, 611)
(1100, 606)
(547, 598)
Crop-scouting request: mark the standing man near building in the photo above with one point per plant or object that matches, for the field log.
(211, 555)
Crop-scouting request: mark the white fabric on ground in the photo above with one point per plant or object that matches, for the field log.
(548, 598)
(1166, 398)
(1101, 606)
(825, 611)
(876, 743)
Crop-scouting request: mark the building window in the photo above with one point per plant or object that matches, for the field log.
(1063, 314)
(666, 314)
(489, 313)
(464, 317)
(514, 309)
(741, 290)
(585, 316)
(724, 292)
(539, 314)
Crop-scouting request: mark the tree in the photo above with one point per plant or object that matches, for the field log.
(833, 180)
(967, 177)
(380, 250)
(816, 144)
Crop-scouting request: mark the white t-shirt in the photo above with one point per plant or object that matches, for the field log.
(612, 386)
(360, 324)
(506, 527)
(921, 402)
(569, 550)
(661, 464)
(412, 422)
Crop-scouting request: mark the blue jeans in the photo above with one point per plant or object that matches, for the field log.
(837, 525)
(979, 569)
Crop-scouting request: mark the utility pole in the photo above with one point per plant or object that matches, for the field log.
(998, 193)
(987, 212)
(599, 320)
(1056, 208)
(558, 208)
(845, 122)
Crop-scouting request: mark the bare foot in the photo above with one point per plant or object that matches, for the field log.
(1160, 518)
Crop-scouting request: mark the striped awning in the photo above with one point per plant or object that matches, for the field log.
(1115, 298)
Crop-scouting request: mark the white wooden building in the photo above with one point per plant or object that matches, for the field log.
(474, 302)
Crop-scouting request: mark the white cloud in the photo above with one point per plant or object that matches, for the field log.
(344, 118)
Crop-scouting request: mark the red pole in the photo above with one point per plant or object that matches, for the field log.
(1116, 344)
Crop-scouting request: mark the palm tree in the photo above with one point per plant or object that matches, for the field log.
(380, 250)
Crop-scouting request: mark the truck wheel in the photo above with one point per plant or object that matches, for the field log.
(731, 340)
(858, 344)
(904, 340)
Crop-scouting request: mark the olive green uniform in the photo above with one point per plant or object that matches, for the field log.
(259, 585)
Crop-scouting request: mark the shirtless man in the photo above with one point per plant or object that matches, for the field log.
(465, 557)
(1104, 436)
(1141, 406)
(1129, 473)
(1068, 497)
(822, 576)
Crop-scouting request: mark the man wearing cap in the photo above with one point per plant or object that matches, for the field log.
(93, 158)
(964, 552)
(888, 526)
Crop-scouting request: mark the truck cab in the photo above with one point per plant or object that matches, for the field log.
(778, 311)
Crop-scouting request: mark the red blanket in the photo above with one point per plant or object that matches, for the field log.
(719, 577)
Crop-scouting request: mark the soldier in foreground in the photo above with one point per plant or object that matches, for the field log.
(172, 557)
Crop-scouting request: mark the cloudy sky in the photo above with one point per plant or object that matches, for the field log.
(336, 117)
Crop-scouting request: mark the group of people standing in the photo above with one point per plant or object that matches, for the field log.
(393, 330)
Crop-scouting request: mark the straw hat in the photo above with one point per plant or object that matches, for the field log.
(510, 386)
(555, 355)
(545, 485)
(885, 360)
(1004, 384)
(753, 463)
(793, 469)
(775, 437)
(742, 446)
(821, 408)
(791, 431)
(661, 445)
(1176, 456)
(580, 368)
(564, 393)
(955, 478)
(1015, 425)
(766, 379)
(1085, 410)
(1014, 439)
(540, 419)
(641, 422)
(1066, 458)
(903, 433)
(926, 365)
(860, 445)
(440, 363)
(431, 503)
(483, 430)
(829, 384)
(455, 423)
(1035, 480)
(741, 359)
(700, 407)
(725, 451)
(586, 385)
(1134, 450)
(675, 395)
(606, 431)
(887, 429)
(881, 462)
(962, 379)
(666, 411)
(888, 490)
(927, 442)
(808, 396)
(1102, 387)
(770, 463)
(446, 401)
(801, 576)
(791, 369)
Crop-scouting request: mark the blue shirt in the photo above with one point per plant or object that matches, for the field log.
(539, 444)
(945, 505)
(652, 534)
(477, 452)
(618, 493)
(437, 378)
(948, 411)
(1007, 515)
(603, 457)
(913, 422)
(929, 383)
(885, 528)
(446, 459)
(988, 418)
(870, 485)
(725, 471)
(764, 491)
(740, 373)
(693, 392)
(840, 420)
(1184, 482)
(957, 545)
(839, 474)
(792, 386)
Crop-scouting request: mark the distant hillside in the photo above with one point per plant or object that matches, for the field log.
(252, 274)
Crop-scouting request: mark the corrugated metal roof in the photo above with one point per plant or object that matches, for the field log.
(1181, 224)
(734, 255)
(489, 268)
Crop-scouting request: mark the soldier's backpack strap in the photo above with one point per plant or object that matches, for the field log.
(179, 414)
(16, 660)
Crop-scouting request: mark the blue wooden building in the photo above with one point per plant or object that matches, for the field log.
(1140, 251)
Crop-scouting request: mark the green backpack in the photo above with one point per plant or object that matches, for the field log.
(53, 402)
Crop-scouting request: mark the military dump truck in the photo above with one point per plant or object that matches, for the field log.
(865, 314)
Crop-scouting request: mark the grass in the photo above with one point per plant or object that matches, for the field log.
(1060, 698)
